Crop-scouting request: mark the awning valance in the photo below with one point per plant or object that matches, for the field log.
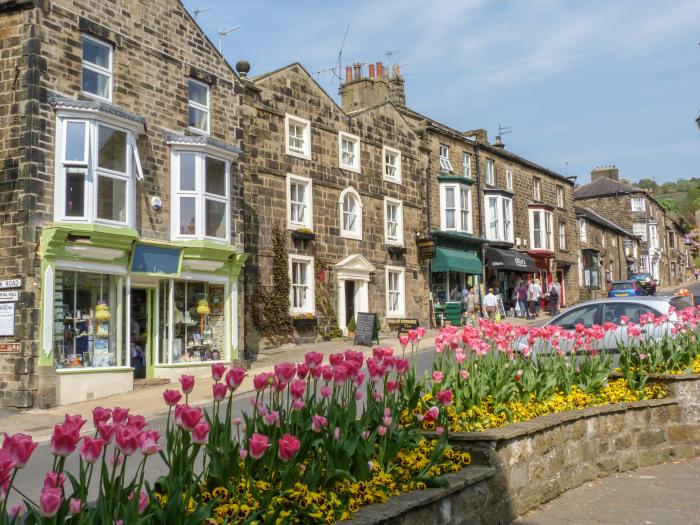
(509, 260)
(449, 260)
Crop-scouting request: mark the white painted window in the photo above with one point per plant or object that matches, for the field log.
(466, 165)
(391, 164)
(97, 68)
(536, 189)
(653, 236)
(395, 292)
(299, 202)
(350, 214)
(465, 209)
(198, 105)
(301, 277)
(541, 234)
(560, 196)
(602, 239)
(562, 236)
(297, 136)
(95, 167)
(582, 234)
(445, 164)
(643, 264)
(455, 208)
(638, 204)
(201, 189)
(509, 180)
(393, 221)
(490, 173)
(640, 230)
(579, 264)
(499, 218)
(349, 151)
(673, 269)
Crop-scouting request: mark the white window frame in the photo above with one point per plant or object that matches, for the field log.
(654, 236)
(546, 230)
(537, 189)
(91, 172)
(466, 165)
(199, 194)
(398, 241)
(644, 264)
(560, 196)
(500, 221)
(305, 151)
(310, 306)
(308, 202)
(562, 236)
(445, 164)
(640, 230)
(97, 69)
(355, 167)
(490, 172)
(196, 105)
(459, 207)
(401, 311)
(582, 233)
(347, 234)
(509, 180)
(638, 204)
(396, 178)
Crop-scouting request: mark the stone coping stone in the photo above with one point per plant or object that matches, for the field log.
(396, 506)
(662, 377)
(516, 430)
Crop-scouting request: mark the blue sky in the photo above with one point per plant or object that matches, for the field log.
(581, 83)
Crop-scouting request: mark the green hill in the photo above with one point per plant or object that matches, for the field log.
(681, 196)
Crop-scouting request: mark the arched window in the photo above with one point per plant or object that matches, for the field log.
(350, 214)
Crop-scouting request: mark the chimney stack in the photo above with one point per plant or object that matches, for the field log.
(359, 92)
(607, 172)
(371, 71)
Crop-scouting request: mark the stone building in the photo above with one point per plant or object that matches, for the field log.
(636, 211)
(346, 189)
(607, 253)
(106, 111)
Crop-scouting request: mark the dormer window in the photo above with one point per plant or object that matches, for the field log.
(97, 68)
(298, 136)
(445, 164)
(349, 151)
(198, 110)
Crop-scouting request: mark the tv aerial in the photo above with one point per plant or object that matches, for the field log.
(225, 32)
(201, 10)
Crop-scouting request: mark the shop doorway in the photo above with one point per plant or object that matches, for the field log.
(349, 300)
(143, 331)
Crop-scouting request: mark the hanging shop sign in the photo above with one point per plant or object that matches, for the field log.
(10, 283)
(407, 324)
(426, 248)
(7, 319)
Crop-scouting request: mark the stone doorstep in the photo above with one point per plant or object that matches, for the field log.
(398, 505)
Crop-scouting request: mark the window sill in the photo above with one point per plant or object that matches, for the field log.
(352, 236)
(96, 97)
(394, 180)
(349, 168)
(198, 131)
(94, 370)
(395, 315)
(298, 154)
(191, 363)
(394, 243)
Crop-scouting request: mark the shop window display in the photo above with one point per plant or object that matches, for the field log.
(198, 319)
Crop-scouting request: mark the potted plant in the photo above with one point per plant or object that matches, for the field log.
(351, 327)
(303, 234)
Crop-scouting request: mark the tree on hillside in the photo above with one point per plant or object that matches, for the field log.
(648, 184)
(668, 204)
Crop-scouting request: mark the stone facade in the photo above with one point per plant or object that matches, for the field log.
(156, 48)
(335, 257)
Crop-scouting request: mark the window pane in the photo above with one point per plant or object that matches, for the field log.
(198, 93)
(187, 172)
(188, 212)
(215, 218)
(75, 194)
(95, 53)
(75, 142)
(215, 178)
(111, 149)
(111, 199)
(198, 119)
(95, 83)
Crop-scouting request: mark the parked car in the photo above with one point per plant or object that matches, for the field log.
(646, 281)
(626, 289)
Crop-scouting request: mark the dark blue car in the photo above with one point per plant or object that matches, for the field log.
(628, 288)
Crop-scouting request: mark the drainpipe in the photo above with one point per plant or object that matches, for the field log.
(479, 203)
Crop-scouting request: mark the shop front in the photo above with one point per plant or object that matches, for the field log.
(116, 309)
(505, 269)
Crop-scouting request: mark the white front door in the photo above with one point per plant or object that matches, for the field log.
(355, 269)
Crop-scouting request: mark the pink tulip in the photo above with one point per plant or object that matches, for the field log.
(237, 421)
(464, 374)
(413, 334)
(54, 480)
(263, 380)
(381, 430)
(128, 440)
(285, 371)
(200, 433)
(50, 501)
(187, 383)
(325, 391)
(421, 332)
(518, 375)
(432, 414)
(387, 421)
(298, 404)
(172, 397)
(313, 360)
(74, 506)
(302, 370)
(336, 433)
(287, 446)
(106, 431)
(64, 439)
(272, 418)
(402, 365)
(219, 391)
(437, 377)
(243, 453)
(318, 423)
(7, 470)
(217, 371)
(189, 417)
(234, 378)
(138, 422)
(120, 415)
(91, 449)
(391, 386)
(258, 445)
(440, 431)
(100, 415)
(297, 388)
(76, 421)
(149, 443)
(365, 434)
(444, 397)
(115, 460)
(143, 502)
(20, 447)
(18, 510)
(403, 340)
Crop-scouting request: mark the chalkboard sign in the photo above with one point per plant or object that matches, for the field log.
(407, 324)
(161, 260)
(366, 331)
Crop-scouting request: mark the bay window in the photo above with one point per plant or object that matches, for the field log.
(301, 277)
(455, 208)
(395, 292)
(393, 221)
(299, 202)
(541, 233)
(201, 196)
(499, 218)
(97, 68)
(350, 214)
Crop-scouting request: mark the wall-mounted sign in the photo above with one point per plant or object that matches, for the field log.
(11, 283)
(161, 260)
(426, 248)
(7, 319)
(8, 296)
(8, 348)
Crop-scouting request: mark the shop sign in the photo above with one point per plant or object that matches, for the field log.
(407, 324)
(7, 319)
(426, 249)
(9, 296)
(10, 283)
(8, 348)
(156, 260)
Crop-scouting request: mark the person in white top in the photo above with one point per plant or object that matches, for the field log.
(534, 293)
(490, 304)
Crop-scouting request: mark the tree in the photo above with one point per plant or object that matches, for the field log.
(669, 204)
(648, 184)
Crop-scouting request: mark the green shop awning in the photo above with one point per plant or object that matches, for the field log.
(447, 259)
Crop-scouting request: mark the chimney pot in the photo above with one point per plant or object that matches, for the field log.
(358, 70)
(371, 71)
(380, 70)
(348, 73)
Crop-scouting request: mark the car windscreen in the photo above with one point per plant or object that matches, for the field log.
(622, 286)
(681, 302)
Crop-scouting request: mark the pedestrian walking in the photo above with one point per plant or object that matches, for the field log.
(534, 292)
(490, 304)
(522, 299)
(554, 295)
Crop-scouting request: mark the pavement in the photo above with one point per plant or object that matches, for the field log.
(662, 495)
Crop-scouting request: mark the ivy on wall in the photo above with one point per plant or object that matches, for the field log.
(327, 317)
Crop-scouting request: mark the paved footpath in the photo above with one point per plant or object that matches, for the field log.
(662, 495)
